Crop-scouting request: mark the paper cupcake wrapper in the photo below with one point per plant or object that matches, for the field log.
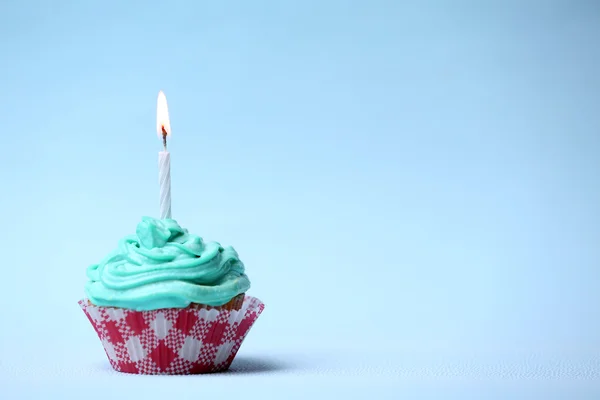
(172, 341)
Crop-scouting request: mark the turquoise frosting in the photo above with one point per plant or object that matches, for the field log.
(163, 266)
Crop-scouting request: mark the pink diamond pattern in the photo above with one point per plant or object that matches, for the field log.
(175, 339)
(162, 355)
(179, 366)
(216, 337)
(207, 354)
(200, 330)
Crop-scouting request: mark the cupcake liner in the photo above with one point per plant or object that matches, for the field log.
(172, 341)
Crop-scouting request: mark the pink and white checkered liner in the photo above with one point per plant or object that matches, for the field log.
(172, 341)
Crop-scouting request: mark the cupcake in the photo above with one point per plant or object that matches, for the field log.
(166, 302)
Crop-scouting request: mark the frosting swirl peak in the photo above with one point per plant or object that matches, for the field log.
(163, 266)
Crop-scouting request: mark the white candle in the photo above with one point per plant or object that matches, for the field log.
(164, 179)
(163, 127)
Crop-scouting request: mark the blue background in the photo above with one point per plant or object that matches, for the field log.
(414, 188)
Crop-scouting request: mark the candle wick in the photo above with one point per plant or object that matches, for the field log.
(164, 134)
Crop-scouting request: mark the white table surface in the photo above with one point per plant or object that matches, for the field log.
(312, 372)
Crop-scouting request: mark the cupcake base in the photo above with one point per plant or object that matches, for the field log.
(194, 340)
(234, 304)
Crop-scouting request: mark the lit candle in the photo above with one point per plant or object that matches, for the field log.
(163, 127)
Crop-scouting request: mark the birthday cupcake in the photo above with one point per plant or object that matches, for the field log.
(165, 301)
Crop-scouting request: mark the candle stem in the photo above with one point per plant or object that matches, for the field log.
(164, 180)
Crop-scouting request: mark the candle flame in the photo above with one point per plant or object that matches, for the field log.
(162, 115)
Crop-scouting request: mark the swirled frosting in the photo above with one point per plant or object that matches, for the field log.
(163, 266)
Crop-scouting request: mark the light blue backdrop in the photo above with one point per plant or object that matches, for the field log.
(414, 188)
